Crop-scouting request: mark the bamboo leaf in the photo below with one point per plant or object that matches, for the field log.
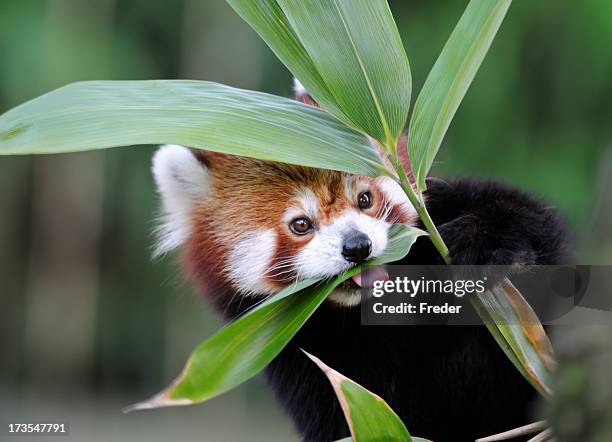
(347, 53)
(368, 416)
(103, 114)
(519, 333)
(268, 19)
(449, 80)
(414, 439)
(243, 348)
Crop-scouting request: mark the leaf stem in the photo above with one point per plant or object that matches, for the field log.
(419, 204)
(511, 434)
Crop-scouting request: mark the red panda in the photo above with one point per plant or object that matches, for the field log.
(258, 225)
(248, 228)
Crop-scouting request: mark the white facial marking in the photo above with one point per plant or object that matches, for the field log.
(395, 195)
(354, 185)
(309, 202)
(182, 181)
(249, 260)
(305, 204)
(322, 256)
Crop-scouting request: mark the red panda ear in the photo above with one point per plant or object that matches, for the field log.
(202, 156)
(182, 179)
(302, 95)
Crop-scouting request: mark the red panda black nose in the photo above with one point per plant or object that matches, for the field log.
(357, 247)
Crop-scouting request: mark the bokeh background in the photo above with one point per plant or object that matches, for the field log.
(90, 323)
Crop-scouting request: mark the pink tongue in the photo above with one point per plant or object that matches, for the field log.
(378, 273)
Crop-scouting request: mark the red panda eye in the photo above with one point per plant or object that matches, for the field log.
(301, 226)
(365, 200)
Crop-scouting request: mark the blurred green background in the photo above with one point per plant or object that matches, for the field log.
(89, 323)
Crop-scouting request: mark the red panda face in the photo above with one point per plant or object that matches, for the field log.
(258, 225)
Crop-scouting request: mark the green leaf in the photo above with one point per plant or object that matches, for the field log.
(347, 53)
(449, 80)
(401, 239)
(243, 348)
(102, 114)
(519, 333)
(368, 416)
(414, 439)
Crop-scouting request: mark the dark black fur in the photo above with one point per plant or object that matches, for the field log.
(447, 383)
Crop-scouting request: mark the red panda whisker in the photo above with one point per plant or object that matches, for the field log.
(386, 209)
(387, 212)
(279, 267)
(380, 214)
(227, 306)
(283, 258)
(284, 272)
(383, 205)
(297, 278)
(255, 305)
(240, 302)
(282, 263)
(280, 272)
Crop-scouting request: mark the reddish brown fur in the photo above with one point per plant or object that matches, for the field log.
(248, 194)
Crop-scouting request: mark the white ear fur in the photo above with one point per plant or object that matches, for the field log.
(181, 181)
(298, 88)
